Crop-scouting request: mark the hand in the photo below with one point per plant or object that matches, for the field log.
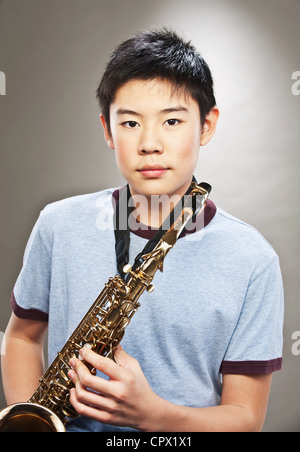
(125, 400)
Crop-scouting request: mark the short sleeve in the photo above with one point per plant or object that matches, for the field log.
(30, 297)
(256, 344)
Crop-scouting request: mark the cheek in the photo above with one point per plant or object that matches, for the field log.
(124, 159)
(121, 159)
(187, 149)
(123, 150)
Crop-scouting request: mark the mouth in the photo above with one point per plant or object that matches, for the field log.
(153, 171)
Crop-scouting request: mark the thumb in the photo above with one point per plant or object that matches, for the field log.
(122, 358)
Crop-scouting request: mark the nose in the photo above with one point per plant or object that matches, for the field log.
(150, 143)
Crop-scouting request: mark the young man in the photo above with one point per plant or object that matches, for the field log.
(199, 353)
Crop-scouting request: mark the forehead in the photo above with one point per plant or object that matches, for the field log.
(153, 94)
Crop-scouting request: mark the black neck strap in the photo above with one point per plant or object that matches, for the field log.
(122, 229)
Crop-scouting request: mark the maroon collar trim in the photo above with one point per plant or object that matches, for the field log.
(201, 222)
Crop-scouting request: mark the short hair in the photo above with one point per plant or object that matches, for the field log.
(157, 54)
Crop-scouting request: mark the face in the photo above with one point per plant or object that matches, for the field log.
(156, 134)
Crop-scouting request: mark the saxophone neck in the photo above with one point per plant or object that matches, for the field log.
(194, 203)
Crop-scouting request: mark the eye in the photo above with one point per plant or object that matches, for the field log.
(172, 122)
(130, 124)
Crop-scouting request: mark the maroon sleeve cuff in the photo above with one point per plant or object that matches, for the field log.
(251, 367)
(28, 314)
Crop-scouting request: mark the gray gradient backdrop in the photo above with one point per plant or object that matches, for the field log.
(52, 145)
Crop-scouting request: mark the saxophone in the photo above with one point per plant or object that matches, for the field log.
(102, 329)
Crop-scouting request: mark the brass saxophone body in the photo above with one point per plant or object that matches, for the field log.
(102, 329)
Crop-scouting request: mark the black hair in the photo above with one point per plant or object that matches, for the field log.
(157, 54)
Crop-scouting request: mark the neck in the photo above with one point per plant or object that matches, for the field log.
(153, 210)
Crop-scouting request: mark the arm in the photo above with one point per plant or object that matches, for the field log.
(242, 409)
(23, 362)
(127, 400)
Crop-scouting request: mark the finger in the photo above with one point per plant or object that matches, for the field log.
(93, 399)
(72, 375)
(81, 377)
(80, 373)
(123, 359)
(105, 365)
(89, 409)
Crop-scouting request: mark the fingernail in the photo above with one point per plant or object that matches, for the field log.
(72, 363)
(71, 374)
(82, 354)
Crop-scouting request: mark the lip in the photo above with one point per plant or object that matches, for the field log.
(153, 171)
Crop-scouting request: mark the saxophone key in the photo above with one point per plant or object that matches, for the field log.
(150, 288)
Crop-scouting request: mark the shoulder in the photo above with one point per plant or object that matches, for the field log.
(76, 206)
(74, 214)
(241, 242)
(79, 202)
(244, 233)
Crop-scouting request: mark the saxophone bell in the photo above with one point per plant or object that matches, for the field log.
(30, 417)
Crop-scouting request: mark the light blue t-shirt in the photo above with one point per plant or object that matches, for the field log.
(217, 307)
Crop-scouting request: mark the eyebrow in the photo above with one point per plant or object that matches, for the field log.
(125, 111)
(174, 109)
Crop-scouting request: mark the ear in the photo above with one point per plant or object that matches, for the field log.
(209, 126)
(107, 134)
